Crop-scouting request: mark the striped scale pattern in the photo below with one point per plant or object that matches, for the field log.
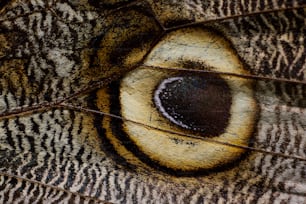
(55, 155)
(20, 191)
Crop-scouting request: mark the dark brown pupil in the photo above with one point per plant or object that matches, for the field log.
(198, 103)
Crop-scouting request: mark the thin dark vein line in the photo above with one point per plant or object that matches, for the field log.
(247, 76)
(81, 109)
(26, 110)
(235, 16)
(51, 186)
(99, 84)
(44, 106)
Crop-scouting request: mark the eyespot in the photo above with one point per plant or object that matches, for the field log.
(199, 103)
(170, 102)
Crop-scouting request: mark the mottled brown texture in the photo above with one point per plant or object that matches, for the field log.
(46, 50)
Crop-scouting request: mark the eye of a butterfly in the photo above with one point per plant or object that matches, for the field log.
(181, 109)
